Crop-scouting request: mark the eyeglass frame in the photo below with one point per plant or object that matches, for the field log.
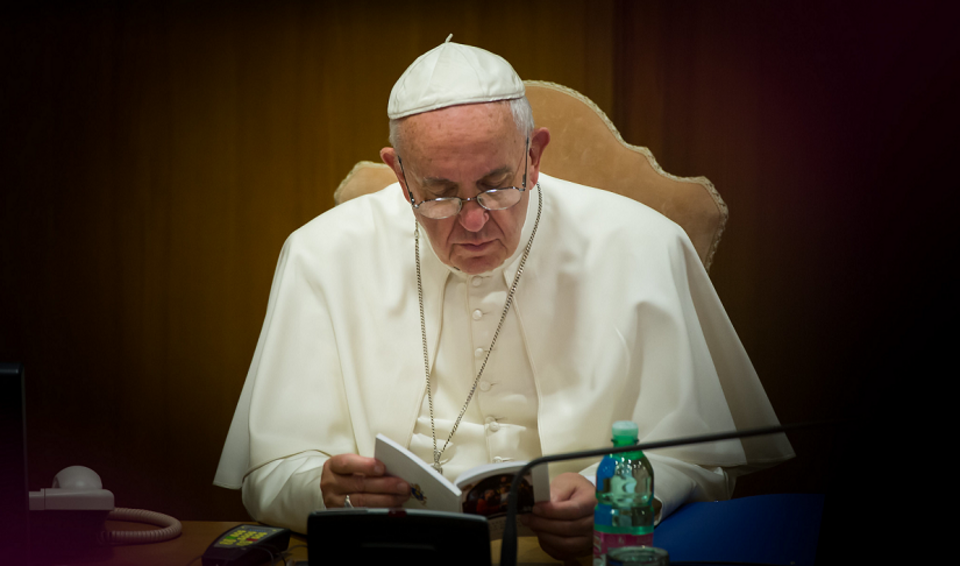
(462, 201)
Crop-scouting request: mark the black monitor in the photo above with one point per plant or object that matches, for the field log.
(14, 494)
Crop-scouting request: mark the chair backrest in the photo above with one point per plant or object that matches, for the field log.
(586, 148)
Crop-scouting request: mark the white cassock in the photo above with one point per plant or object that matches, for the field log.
(614, 319)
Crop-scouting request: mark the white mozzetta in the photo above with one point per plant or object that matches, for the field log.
(614, 319)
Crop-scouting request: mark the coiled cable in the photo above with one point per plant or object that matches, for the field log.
(169, 527)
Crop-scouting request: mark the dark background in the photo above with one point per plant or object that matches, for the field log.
(154, 156)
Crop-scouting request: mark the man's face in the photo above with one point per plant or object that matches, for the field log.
(461, 151)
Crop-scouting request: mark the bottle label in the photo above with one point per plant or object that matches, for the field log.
(602, 542)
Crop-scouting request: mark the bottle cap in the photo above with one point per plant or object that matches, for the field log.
(626, 429)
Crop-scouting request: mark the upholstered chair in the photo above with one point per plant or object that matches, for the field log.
(586, 148)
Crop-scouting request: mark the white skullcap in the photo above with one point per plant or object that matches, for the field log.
(453, 74)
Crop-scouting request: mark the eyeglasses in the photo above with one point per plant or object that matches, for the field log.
(494, 199)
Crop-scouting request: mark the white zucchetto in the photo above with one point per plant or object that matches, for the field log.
(453, 74)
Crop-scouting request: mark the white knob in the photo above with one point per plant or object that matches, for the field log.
(77, 477)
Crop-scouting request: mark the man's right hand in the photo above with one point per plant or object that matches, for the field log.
(363, 480)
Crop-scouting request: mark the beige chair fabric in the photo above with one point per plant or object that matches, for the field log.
(586, 148)
(365, 177)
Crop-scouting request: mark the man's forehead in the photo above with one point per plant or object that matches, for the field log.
(466, 144)
(464, 120)
(491, 175)
(470, 131)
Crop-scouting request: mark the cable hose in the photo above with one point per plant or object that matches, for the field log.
(170, 527)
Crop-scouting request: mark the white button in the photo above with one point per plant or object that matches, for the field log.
(477, 315)
(489, 420)
(498, 460)
(478, 353)
(494, 426)
(477, 281)
(484, 386)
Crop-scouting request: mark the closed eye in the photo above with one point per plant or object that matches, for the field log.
(446, 191)
(501, 182)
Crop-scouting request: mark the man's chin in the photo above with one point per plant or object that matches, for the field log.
(474, 260)
(477, 265)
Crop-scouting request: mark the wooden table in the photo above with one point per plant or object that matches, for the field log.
(187, 549)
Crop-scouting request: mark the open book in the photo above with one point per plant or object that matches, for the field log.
(481, 490)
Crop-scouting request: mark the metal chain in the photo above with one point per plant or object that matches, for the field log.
(503, 316)
(423, 332)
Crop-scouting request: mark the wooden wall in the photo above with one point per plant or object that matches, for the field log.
(829, 129)
(155, 155)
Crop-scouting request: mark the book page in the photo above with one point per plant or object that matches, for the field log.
(537, 482)
(430, 490)
(485, 491)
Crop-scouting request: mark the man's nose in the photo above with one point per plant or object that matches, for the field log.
(473, 216)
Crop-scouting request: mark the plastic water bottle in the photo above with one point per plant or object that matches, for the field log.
(624, 512)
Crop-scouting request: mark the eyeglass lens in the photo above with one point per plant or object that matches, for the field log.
(496, 199)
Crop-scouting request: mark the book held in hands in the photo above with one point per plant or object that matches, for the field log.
(481, 490)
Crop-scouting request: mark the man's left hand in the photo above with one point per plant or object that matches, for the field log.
(564, 525)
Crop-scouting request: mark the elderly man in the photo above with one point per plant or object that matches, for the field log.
(510, 315)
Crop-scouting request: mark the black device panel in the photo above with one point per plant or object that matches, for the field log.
(397, 536)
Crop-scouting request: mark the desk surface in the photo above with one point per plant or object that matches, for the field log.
(187, 549)
(769, 529)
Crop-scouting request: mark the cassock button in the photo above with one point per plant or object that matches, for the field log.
(484, 386)
(478, 353)
(477, 315)
(494, 426)
(477, 281)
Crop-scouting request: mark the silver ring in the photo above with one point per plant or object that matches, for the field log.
(346, 502)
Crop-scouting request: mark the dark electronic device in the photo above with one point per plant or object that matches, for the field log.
(14, 506)
(247, 545)
(71, 512)
(398, 536)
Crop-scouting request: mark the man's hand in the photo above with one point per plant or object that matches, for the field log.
(564, 525)
(363, 480)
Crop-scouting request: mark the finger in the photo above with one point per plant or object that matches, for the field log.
(570, 485)
(345, 464)
(357, 499)
(337, 485)
(359, 483)
(576, 528)
(388, 485)
(562, 491)
(334, 487)
(373, 500)
(563, 548)
(565, 510)
(572, 496)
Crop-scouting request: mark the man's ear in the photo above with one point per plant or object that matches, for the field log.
(390, 157)
(539, 140)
